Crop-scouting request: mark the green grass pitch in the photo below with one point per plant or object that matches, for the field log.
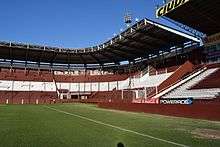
(81, 125)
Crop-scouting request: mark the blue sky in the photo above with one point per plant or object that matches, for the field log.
(68, 23)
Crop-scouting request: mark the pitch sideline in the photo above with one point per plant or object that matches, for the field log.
(116, 127)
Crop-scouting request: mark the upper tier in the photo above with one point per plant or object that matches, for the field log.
(143, 39)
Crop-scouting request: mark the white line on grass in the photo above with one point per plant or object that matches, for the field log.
(116, 127)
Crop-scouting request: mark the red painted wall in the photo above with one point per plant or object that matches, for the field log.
(28, 97)
(197, 110)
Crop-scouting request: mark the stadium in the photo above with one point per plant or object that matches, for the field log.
(150, 85)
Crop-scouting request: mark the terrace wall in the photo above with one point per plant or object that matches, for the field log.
(209, 111)
(24, 97)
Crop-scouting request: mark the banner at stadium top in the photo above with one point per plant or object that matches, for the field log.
(169, 7)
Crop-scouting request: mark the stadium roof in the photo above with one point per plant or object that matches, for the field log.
(139, 41)
(202, 15)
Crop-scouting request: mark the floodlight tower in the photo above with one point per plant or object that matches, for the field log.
(128, 19)
(128, 22)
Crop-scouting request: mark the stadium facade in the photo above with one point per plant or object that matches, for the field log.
(149, 63)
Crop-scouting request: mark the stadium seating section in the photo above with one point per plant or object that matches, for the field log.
(29, 86)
